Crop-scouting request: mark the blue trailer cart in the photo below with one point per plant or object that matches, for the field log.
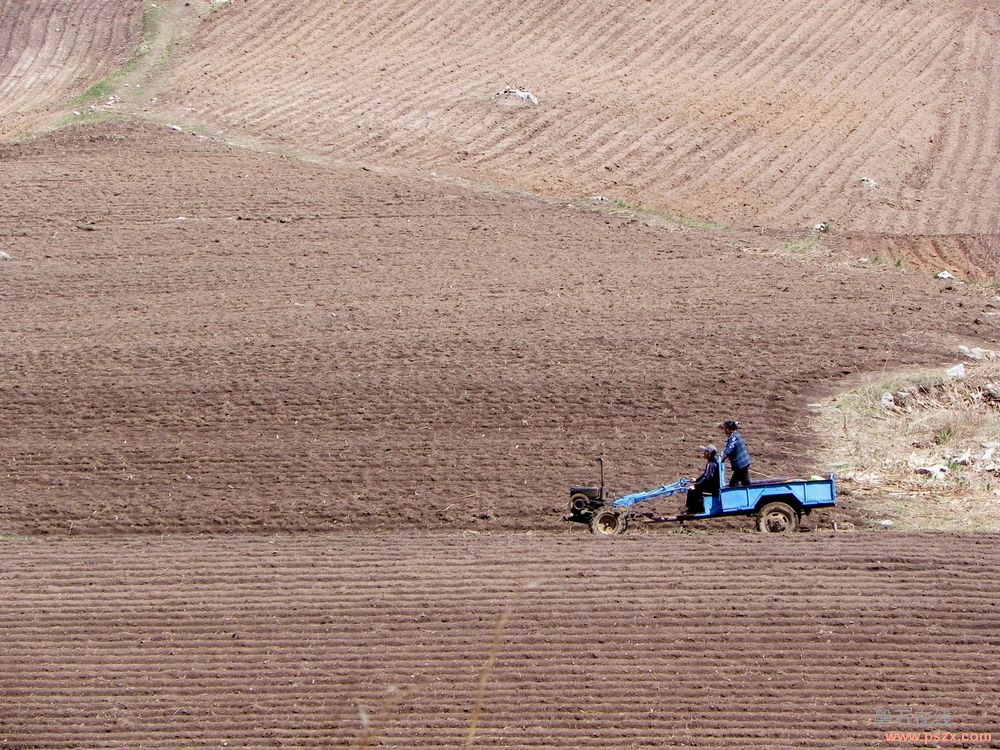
(777, 504)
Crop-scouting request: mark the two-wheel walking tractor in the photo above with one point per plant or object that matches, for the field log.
(777, 504)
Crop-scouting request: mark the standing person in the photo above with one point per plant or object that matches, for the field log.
(706, 484)
(737, 453)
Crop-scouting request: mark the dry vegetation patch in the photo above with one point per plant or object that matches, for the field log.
(923, 448)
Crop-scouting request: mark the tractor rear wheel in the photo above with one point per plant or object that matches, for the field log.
(609, 522)
(777, 518)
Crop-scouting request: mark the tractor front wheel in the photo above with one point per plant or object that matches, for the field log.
(777, 518)
(609, 522)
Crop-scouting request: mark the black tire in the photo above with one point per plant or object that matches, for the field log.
(777, 518)
(608, 522)
(580, 505)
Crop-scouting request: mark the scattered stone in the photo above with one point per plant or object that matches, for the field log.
(822, 227)
(886, 523)
(5, 256)
(939, 471)
(77, 113)
(176, 128)
(988, 453)
(975, 353)
(992, 391)
(868, 182)
(888, 401)
(956, 373)
(944, 276)
(843, 526)
(518, 93)
(864, 259)
(964, 459)
(600, 199)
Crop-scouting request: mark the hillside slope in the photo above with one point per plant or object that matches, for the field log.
(199, 337)
(767, 112)
(52, 51)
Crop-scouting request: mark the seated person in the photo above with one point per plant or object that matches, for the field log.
(706, 484)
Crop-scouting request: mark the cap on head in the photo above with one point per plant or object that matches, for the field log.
(710, 449)
(730, 424)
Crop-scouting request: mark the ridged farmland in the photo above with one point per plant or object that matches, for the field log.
(204, 338)
(53, 51)
(877, 116)
(303, 349)
(721, 641)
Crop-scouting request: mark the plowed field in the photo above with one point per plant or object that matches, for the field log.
(203, 338)
(718, 641)
(766, 112)
(408, 370)
(54, 50)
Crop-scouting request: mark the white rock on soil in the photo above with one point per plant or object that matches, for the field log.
(5, 256)
(963, 459)
(976, 353)
(888, 401)
(944, 275)
(938, 471)
(869, 183)
(518, 93)
(956, 373)
(885, 523)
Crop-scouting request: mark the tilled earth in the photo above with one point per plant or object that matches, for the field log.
(54, 51)
(879, 116)
(658, 640)
(201, 338)
(285, 446)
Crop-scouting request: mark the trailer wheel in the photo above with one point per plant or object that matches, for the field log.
(609, 522)
(777, 518)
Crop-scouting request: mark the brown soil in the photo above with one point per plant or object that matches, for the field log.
(975, 257)
(767, 113)
(54, 50)
(718, 641)
(200, 338)
(203, 338)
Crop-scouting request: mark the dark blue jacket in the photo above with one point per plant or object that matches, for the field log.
(736, 451)
(708, 482)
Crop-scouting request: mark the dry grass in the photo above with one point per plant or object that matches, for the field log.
(935, 422)
(373, 728)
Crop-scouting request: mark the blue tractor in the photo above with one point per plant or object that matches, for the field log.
(777, 504)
